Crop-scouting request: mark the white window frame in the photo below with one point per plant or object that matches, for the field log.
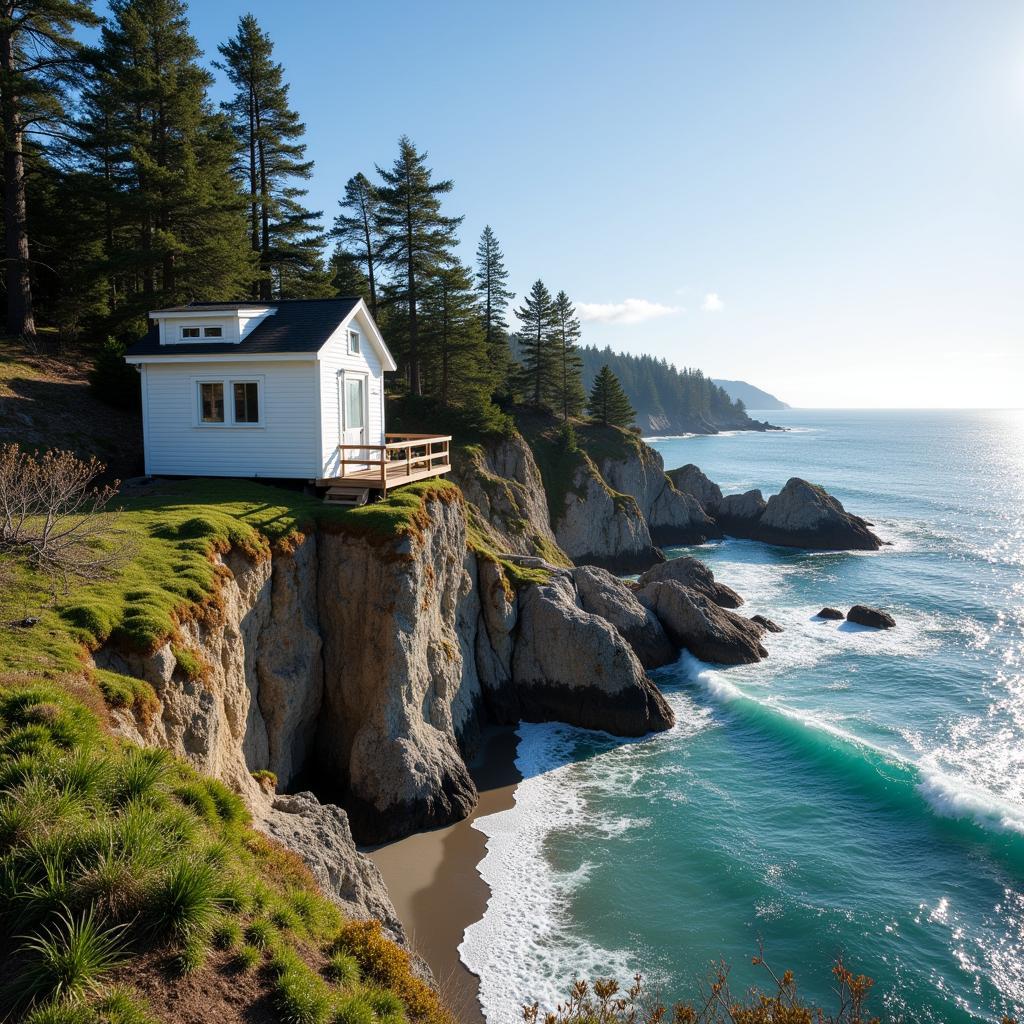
(214, 327)
(190, 337)
(228, 382)
(355, 343)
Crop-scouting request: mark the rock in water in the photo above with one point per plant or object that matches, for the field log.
(691, 480)
(709, 632)
(864, 615)
(693, 573)
(763, 620)
(573, 666)
(806, 516)
(830, 613)
(740, 514)
(602, 594)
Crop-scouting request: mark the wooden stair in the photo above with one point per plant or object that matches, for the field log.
(351, 497)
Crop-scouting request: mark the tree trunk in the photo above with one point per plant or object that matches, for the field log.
(368, 235)
(254, 221)
(414, 341)
(20, 319)
(265, 282)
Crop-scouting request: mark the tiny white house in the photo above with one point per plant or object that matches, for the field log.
(292, 389)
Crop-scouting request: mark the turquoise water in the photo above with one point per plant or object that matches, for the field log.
(857, 794)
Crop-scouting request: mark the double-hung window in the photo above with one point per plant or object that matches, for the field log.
(211, 401)
(230, 403)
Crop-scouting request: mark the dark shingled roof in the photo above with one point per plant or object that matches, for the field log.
(299, 325)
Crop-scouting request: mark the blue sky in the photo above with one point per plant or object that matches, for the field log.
(845, 180)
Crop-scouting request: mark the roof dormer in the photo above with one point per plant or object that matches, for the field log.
(213, 324)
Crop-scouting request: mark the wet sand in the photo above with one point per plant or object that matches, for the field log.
(433, 881)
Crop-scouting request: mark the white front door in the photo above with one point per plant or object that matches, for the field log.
(352, 399)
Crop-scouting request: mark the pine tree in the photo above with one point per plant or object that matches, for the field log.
(492, 284)
(39, 58)
(271, 158)
(536, 336)
(177, 228)
(417, 240)
(608, 402)
(567, 387)
(356, 232)
(455, 368)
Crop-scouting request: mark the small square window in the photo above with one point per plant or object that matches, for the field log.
(211, 402)
(190, 332)
(213, 332)
(353, 343)
(247, 401)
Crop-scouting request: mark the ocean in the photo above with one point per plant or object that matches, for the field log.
(859, 794)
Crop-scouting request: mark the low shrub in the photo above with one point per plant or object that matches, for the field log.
(112, 380)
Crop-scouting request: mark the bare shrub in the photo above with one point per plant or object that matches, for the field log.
(54, 517)
(604, 1002)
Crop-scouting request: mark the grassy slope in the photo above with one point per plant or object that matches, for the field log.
(87, 822)
(45, 402)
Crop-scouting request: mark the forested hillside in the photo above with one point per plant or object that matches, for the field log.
(667, 399)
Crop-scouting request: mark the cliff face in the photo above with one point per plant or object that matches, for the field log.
(367, 664)
(501, 480)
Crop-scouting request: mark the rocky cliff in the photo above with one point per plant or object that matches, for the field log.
(363, 661)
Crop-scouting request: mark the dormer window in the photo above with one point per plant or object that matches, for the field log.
(353, 343)
(204, 332)
(190, 332)
(213, 332)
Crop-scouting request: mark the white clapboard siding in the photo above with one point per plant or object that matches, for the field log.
(335, 357)
(285, 444)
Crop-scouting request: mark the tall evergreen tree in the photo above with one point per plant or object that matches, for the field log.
(608, 403)
(177, 217)
(356, 231)
(417, 240)
(39, 57)
(495, 296)
(568, 393)
(455, 365)
(271, 159)
(538, 322)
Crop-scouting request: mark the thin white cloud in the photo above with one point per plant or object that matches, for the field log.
(712, 303)
(629, 311)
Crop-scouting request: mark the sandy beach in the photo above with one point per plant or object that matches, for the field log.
(433, 881)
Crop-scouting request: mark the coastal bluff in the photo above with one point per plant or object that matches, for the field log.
(363, 666)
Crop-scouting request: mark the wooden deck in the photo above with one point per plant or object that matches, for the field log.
(402, 459)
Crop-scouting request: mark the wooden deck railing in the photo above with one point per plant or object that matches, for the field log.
(403, 457)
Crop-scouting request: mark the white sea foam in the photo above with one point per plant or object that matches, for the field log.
(526, 946)
(956, 797)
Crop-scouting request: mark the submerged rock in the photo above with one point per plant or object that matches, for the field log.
(602, 594)
(830, 613)
(709, 632)
(693, 573)
(763, 620)
(864, 615)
